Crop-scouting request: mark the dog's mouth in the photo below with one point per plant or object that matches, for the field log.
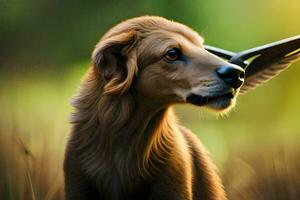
(216, 102)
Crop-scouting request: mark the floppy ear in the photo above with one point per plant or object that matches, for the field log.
(115, 59)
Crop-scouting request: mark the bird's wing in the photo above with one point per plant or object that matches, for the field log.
(267, 61)
(264, 62)
(255, 77)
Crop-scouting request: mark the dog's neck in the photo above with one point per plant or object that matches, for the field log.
(130, 131)
(127, 136)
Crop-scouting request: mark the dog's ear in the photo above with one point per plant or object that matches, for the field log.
(115, 59)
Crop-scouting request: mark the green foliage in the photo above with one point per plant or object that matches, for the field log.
(37, 34)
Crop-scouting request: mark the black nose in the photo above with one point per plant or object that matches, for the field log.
(232, 75)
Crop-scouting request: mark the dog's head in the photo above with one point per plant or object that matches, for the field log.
(165, 61)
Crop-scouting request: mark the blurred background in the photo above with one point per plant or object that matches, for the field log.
(45, 50)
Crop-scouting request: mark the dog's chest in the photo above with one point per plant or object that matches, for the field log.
(114, 187)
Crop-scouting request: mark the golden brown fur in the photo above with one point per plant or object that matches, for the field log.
(126, 142)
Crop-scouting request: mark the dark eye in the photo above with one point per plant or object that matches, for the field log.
(172, 55)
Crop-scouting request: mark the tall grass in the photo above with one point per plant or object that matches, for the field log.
(264, 174)
(33, 132)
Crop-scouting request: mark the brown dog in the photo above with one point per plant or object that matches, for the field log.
(126, 142)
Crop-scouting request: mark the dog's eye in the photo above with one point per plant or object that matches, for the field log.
(172, 55)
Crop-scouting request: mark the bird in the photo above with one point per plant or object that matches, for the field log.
(262, 63)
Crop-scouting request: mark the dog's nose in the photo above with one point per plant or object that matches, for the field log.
(232, 75)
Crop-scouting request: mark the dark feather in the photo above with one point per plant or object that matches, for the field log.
(220, 52)
(266, 61)
(261, 70)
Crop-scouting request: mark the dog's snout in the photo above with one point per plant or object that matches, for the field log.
(232, 75)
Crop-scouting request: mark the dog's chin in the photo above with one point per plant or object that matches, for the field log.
(221, 105)
(217, 103)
